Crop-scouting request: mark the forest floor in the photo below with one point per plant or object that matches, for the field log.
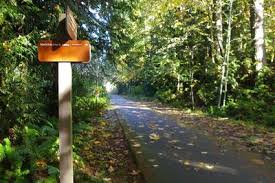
(106, 154)
(172, 145)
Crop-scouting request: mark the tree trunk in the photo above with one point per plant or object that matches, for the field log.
(259, 35)
(227, 50)
(252, 29)
(211, 11)
(178, 83)
(219, 28)
(219, 33)
(192, 78)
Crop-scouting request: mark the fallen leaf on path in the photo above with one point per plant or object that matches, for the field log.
(97, 142)
(173, 141)
(111, 169)
(153, 126)
(107, 179)
(258, 161)
(134, 172)
(151, 160)
(136, 145)
(103, 123)
(255, 140)
(154, 136)
(177, 147)
(167, 135)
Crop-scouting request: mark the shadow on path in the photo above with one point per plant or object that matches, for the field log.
(169, 153)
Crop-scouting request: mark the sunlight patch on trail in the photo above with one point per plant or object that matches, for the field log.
(130, 107)
(209, 167)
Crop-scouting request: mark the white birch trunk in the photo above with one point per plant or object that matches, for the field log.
(219, 28)
(259, 34)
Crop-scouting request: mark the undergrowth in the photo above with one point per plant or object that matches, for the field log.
(29, 152)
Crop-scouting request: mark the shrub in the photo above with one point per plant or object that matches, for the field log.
(269, 117)
(12, 169)
(165, 96)
(86, 107)
(215, 111)
(137, 90)
(32, 152)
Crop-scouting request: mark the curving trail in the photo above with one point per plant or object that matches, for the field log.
(169, 153)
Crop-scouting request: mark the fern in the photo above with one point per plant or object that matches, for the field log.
(2, 152)
(8, 149)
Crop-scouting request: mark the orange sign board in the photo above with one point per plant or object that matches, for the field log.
(64, 51)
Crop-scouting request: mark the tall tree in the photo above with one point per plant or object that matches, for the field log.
(259, 34)
(227, 50)
(219, 26)
(252, 30)
(219, 30)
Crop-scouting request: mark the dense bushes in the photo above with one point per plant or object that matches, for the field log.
(30, 151)
(30, 155)
(252, 103)
(28, 94)
(89, 99)
(28, 98)
(88, 106)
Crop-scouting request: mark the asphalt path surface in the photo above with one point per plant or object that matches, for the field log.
(173, 154)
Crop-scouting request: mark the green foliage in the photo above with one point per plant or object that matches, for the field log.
(49, 179)
(53, 171)
(28, 89)
(21, 161)
(88, 107)
(270, 116)
(136, 90)
(170, 49)
(24, 84)
(2, 152)
(82, 177)
(89, 100)
(216, 111)
(165, 96)
(12, 160)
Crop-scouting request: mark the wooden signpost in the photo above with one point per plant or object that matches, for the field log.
(64, 51)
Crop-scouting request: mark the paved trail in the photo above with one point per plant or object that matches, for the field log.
(184, 155)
